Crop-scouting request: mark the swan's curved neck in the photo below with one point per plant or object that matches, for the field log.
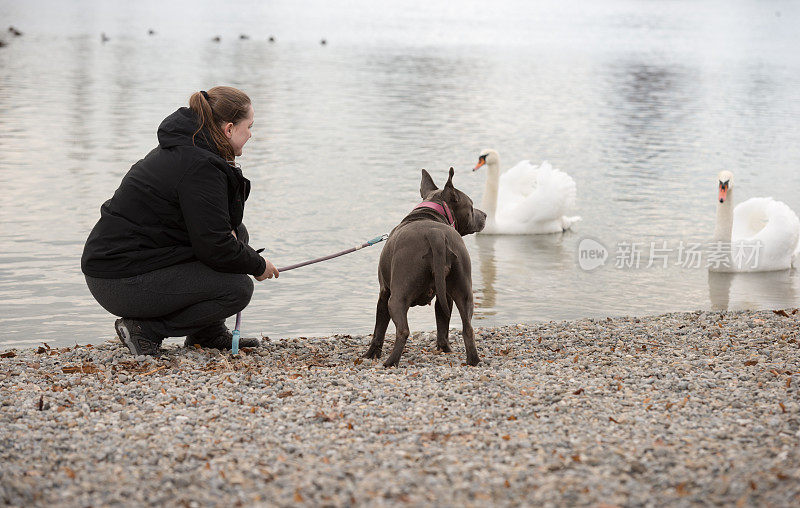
(489, 204)
(724, 227)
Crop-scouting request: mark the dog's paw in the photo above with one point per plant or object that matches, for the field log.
(473, 361)
(372, 354)
(391, 363)
(444, 348)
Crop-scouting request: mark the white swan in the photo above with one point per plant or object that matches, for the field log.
(526, 199)
(764, 234)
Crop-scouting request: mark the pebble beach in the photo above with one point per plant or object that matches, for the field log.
(679, 409)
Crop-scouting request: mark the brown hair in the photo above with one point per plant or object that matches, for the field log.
(220, 105)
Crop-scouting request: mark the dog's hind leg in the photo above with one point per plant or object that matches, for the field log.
(465, 308)
(443, 325)
(381, 322)
(398, 310)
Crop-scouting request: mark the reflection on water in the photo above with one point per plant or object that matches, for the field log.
(641, 105)
(485, 295)
(766, 290)
(509, 268)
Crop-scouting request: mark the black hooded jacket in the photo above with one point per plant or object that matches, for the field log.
(178, 204)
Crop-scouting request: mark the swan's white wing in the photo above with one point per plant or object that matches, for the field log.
(772, 226)
(515, 184)
(543, 208)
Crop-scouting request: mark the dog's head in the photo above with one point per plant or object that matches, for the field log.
(468, 219)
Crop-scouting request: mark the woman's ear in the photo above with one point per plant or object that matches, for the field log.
(227, 129)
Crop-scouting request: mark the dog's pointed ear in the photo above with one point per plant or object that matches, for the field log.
(426, 186)
(450, 190)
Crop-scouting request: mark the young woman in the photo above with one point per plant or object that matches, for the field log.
(170, 254)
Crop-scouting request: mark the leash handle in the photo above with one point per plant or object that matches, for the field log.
(235, 339)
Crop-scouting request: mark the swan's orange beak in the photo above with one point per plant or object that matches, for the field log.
(481, 162)
(723, 192)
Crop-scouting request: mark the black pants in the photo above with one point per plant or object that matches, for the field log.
(179, 300)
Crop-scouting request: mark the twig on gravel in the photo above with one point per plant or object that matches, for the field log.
(152, 371)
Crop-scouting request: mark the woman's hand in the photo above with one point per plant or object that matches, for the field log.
(269, 272)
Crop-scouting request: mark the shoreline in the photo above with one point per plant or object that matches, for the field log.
(678, 408)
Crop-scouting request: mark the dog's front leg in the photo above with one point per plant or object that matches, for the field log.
(381, 322)
(398, 310)
(465, 308)
(443, 324)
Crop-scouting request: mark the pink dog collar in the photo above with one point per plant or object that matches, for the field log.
(442, 209)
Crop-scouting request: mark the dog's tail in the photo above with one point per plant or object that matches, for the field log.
(440, 266)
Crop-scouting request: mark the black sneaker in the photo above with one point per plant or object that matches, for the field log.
(223, 341)
(132, 336)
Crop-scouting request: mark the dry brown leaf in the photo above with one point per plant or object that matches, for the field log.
(86, 368)
(298, 498)
(511, 418)
(681, 489)
(283, 395)
(753, 485)
(783, 408)
(295, 376)
(612, 420)
(576, 458)
(358, 361)
(507, 484)
(578, 391)
(751, 362)
(781, 313)
(252, 409)
(8, 354)
(69, 472)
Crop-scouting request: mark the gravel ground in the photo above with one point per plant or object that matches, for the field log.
(679, 409)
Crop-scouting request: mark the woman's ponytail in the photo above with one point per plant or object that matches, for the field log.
(220, 105)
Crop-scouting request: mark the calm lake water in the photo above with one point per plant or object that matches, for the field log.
(642, 102)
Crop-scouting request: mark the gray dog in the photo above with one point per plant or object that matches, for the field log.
(426, 257)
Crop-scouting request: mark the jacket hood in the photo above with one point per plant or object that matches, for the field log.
(178, 128)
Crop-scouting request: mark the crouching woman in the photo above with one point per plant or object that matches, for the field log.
(170, 254)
